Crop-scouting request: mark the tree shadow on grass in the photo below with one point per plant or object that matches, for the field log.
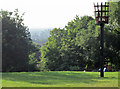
(53, 78)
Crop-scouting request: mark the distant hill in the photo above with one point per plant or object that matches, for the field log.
(40, 36)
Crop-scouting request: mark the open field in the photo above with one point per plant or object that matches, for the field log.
(59, 79)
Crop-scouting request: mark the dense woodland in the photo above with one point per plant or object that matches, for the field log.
(74, 47)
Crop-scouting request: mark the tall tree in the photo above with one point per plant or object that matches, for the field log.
(16, 42)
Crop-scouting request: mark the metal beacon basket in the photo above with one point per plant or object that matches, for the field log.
(101, 13)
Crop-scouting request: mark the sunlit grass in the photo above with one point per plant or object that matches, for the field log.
(59, 79)
(0, 80)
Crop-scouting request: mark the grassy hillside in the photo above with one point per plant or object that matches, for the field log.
(59, 79)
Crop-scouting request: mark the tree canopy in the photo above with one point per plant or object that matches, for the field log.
(74, 47)
(77, 45)
(16, 42)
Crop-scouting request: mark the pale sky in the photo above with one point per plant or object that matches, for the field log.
(50, 13)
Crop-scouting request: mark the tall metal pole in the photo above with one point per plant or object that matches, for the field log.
(101, 17)
(101, 49)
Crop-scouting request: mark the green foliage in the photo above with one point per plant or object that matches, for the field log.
(70, 48)
(77, 45)
(112, 48)
(114, 19)
(16, 42)
(62, 52)
(44, 51)
(75, 68)
(34, 61)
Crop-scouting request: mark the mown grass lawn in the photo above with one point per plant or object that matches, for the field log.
(59, 79)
